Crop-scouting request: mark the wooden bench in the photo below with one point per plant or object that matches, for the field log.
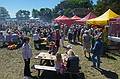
(49, 68)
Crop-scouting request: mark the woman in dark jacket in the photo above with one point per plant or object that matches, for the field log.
(72, 62)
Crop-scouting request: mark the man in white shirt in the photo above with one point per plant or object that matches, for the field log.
(36, 39)
(27, 54)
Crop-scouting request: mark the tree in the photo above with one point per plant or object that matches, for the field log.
(46, 14)
(74, 7)
(104, 5)
(35, 13)
(22, 15)
(4, 13)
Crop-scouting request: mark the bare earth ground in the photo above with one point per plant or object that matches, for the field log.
(11, 64)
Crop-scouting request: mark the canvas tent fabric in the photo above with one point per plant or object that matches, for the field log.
(87, 17)
(103, 19)
(115, 19)
(75, 18)
(57, 17)
(65, 20)
(114, 27)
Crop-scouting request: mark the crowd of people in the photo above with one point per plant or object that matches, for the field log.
(90, 38)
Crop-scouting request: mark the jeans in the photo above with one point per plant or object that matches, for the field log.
(27, 67)
(96, 60)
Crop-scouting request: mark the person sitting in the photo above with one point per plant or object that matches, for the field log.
(52, 48)
(49, 37)
(72, 62)
(15, 38)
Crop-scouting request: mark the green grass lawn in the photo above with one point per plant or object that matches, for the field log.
(11, 64)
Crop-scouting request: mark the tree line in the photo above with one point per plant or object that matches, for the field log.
(68, 8)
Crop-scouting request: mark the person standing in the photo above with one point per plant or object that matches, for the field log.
(70, 35)
(2, 39)
(86, 43)
(36, 39)
(97, 52)
(74, 35)
(62, 38)
(78, 33)
(58, 63)
(57, 39)
(27, 54)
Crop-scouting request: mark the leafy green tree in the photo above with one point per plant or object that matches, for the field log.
(46, 14)
(35, 13)
(74, 7)
(22, 15)
(4, 13)
(104, 5)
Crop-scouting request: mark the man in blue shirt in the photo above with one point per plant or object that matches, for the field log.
(97, 51)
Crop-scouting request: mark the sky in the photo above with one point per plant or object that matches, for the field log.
(14, 5)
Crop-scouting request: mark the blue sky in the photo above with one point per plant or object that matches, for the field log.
(14, 5)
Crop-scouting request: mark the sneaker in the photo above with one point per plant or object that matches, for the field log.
(26, 77)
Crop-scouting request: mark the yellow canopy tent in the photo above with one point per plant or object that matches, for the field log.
(103, 19)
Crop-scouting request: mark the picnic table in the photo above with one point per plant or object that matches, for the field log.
(47, 57)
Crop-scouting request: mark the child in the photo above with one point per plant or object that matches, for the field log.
(59, 64)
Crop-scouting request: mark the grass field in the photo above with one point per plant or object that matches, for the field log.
(11, 64)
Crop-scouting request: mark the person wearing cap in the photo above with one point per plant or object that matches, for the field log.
(97, 52)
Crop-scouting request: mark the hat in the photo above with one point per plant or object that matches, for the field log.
(69, 46)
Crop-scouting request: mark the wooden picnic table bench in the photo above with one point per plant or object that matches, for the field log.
(49, 68)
